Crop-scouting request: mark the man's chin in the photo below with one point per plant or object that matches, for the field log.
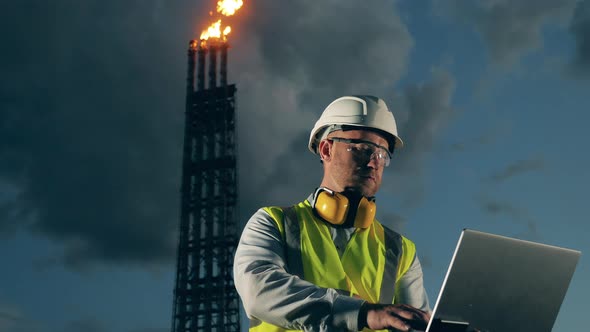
(366, 190)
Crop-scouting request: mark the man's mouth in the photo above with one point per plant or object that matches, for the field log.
(367, 176)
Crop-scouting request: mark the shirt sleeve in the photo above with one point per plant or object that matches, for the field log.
(410, 288)
(271, 294)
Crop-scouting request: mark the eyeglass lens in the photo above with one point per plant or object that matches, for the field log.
(367, 152)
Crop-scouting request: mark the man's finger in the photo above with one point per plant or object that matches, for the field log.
(408, 312)
(414, 318)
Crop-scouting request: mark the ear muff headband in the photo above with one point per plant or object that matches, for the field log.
(334, 208)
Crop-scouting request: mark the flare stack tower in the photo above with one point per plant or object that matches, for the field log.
(205, 298)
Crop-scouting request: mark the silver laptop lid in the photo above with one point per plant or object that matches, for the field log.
(498, 284)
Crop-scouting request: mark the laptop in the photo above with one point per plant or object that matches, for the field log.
(500, 284)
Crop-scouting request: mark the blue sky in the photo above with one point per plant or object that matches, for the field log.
(491, 99)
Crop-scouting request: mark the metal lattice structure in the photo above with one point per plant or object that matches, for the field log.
(205, 298)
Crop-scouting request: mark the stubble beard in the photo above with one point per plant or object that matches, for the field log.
(363, 186)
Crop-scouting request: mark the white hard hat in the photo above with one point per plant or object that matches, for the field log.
(356, 111)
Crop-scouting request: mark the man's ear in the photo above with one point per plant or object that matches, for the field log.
(325, 150)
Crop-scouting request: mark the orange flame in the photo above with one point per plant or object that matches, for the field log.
(229, 7)
(225, 8)
(213, 31)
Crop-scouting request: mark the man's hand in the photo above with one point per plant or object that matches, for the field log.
(392, 316)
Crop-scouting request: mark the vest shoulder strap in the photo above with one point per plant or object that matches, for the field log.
(293, 241)
(393, 254)
(288, 225)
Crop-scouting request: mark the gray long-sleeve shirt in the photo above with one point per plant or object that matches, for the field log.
(270, 293)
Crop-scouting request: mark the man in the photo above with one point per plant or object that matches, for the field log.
(326, 264)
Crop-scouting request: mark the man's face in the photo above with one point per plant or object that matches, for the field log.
(347, 168)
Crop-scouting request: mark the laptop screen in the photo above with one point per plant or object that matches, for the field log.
(498, 284)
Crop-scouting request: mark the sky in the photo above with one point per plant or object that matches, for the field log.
(491, 99)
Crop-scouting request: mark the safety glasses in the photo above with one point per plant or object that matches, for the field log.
(365, 150)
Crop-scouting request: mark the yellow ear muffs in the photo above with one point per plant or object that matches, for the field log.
(365, 214)
(333, 207)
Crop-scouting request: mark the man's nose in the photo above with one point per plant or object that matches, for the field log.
(373, 161)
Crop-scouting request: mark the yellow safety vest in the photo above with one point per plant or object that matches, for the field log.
(373, 261)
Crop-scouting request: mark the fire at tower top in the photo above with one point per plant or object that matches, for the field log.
(214, 31)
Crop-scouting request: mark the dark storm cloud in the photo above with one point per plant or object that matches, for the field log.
(424, 110)
(333, 47)
(517, 168)
(91, 99)
(510, 29)
(428, 108)
(580, 29)
(296, 174)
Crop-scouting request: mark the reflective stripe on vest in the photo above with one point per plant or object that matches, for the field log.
(373, 261)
